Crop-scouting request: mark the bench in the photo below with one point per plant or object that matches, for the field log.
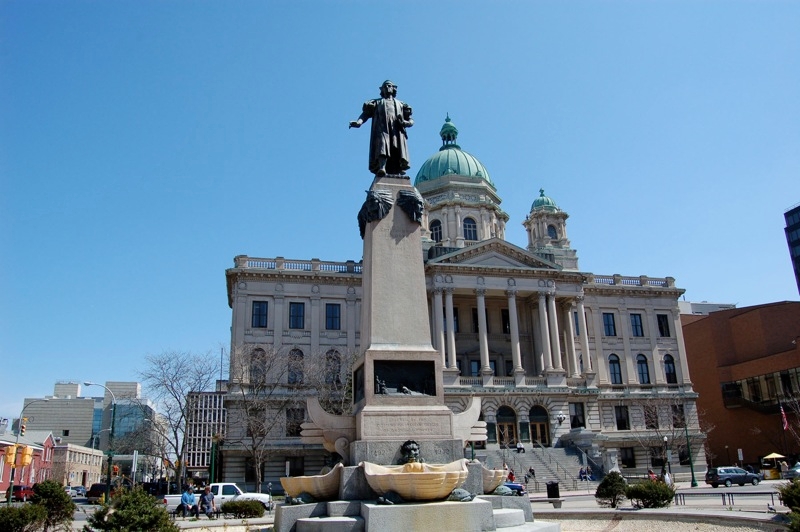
(178, 512)
(556, 502)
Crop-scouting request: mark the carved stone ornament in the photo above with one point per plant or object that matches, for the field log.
(375, 207)
(411, 203)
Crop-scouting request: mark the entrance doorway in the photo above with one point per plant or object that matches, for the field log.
(506, 427)
(540, 426)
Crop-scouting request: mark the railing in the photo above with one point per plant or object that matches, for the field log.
(503, 381)
(313, 265)
(550, 462)
(641, 280)
(727, 498)
(535, 381)
(470, 381)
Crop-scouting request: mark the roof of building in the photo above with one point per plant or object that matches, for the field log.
(451, 159)
(544, 203)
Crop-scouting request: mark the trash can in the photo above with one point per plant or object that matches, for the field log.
(552, 490)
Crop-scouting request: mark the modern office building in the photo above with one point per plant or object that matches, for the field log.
(792, 217)
(559, 356)
(205, 430)
(745, 364)
(86, 421)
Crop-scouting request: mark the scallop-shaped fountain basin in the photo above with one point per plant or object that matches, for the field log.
(416, 481)
(492, 478)
(321, 487)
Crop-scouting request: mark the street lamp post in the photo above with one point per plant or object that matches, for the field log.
(664, 456)
(110, 436)
(689, 449)
(16, 447)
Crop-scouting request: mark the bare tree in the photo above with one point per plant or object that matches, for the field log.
(267, 396)
(169, 378)
(673, 418)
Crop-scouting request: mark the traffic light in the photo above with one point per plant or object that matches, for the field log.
(22, 426)
(11, 455)
(27, 455)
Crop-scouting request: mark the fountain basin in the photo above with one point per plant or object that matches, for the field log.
(492, 478)
(321, 487)
(416, 481)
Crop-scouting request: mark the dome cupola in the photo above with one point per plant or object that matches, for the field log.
(451, 159)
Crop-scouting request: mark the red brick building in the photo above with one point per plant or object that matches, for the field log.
(745, 364)
(42, 443)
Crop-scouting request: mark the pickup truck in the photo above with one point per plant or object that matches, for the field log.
(223, 492)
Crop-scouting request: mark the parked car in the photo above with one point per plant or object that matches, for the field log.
(792, 473)
(729, 476)
(69, 490)
(22, 493)
(516, 487)
(95, 493)
(80, 490)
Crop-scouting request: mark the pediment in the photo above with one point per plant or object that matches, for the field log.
(495, 253)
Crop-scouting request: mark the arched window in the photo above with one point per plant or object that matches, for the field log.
(551, 232)
(295, 366)
(436, 231)
(669, 370)
(642, 369)
(333, 368)
(258, 366)
(614, 369)
(470, 229)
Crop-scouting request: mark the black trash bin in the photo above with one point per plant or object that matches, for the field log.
(552, 490)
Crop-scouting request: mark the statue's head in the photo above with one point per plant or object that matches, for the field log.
(388, 88)
(410, 450)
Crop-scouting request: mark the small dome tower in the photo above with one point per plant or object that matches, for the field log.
(546, 226)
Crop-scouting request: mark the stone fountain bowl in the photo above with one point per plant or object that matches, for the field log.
(416, 481)
(321, 487)
(492, 478)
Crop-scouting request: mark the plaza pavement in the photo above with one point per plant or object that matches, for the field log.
(580, 512)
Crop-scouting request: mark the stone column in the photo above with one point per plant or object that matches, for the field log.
(482, 334)
(572, 356)
(459, 229)
(548, 358)
(684, 367)
(514, 326)
(438, 328)
(351, 321)
(451, 328)
(315, 318)
(556, 342)
(584, 336)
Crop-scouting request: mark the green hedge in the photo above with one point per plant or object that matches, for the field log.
(25, 518)
(243, 509)
(611, 490)
(650, 494)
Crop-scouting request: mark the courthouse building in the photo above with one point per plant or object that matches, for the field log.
(559, 356)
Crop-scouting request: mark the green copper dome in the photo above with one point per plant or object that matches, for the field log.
(544, 203)
(451, 159)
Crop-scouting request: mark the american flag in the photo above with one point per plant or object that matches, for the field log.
(784, 420)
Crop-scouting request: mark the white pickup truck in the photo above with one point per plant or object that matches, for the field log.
(223, 492)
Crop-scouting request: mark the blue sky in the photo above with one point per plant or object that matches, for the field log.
(145, 144)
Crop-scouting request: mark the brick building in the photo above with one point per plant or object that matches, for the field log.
(745, 364)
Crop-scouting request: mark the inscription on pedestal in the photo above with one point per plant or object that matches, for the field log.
(399, 427)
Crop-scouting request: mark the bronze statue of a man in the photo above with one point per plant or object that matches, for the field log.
(388, 141)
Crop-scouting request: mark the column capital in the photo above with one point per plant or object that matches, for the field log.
(449, 290)
(511, 293)
(579, 298)
(438, 290)
(480, 292)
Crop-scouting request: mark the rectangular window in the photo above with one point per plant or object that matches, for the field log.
(509, 368)
(474, 368)
(678, 417)
(294, 418)
(651, 417)
(259, 314)
(333, 316)
(475, 326)
(505, 320)
(636, 325)
(609, 327)
(576, 416)
(656, 456)
(577, 324)
(297, 315)
(493, 365)
(623, 421)
(627, 457)
(297, 466)
(663, 325)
